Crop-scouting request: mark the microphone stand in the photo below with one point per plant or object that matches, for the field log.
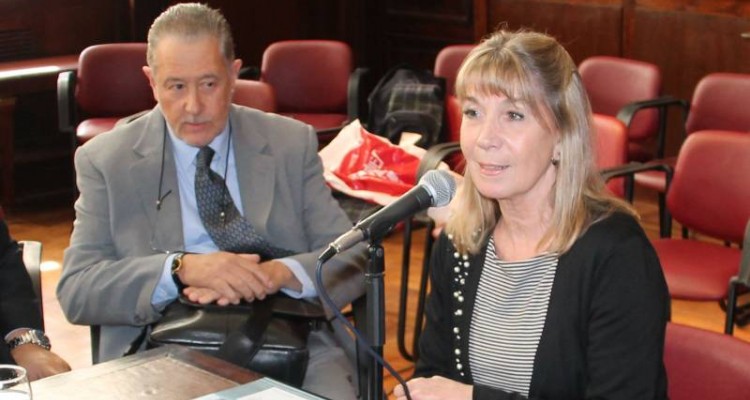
(375, 317)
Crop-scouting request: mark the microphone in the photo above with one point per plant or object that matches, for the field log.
(435, 189)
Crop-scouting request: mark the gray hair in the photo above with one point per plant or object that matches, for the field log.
(190, 20)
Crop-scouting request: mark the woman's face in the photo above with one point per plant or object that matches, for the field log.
(507, 149)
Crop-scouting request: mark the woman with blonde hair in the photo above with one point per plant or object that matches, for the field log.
(544, 285)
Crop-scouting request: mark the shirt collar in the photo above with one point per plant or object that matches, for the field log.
(184, 153)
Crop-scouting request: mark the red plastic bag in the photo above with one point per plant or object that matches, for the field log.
(370, 167)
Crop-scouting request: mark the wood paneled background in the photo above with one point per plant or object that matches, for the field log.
(686, 38)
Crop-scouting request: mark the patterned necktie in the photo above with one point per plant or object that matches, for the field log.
(223, 222)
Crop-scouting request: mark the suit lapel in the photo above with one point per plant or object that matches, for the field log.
(255, 170)
(146, 171)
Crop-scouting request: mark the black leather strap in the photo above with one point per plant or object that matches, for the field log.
(242, 345)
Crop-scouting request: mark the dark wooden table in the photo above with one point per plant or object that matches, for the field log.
(169, 372)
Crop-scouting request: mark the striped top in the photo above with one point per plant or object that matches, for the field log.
(509, 314)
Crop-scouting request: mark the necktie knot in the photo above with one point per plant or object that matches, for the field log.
(204, 157)
(229, 230)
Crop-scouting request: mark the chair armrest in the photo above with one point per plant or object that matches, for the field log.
(32, 259)
(634, 167)
(66, 106)
(628, 170)
(744, 275)
(435, 155)
(356, 94)
(627, 113)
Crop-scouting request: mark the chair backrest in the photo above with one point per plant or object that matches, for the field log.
(309, 76)
(254, 94)
(110, 80)
(447, 63)
(744, 275)
(709, 192)
(613, 82)
(611, 147)
(705, 365)
(720, 101)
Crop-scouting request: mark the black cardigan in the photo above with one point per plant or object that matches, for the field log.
(18, 306)
(603, 336)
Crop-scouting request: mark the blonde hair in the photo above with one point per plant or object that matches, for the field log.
(535, 69)
(190, 20)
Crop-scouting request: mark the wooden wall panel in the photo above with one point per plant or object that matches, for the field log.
(413, 31)
(454, 11)
(59, 27)
(256, 24)
(688, 41)
(688, 44)
(585, 28)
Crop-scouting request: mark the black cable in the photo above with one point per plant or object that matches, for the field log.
(224, 203)
(337, 313)
(159, 197)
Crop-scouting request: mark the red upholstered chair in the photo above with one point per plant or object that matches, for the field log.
(614, 82)
(719, 102)
(447, 63)
(254, 94)
(314, 81)
(108, 85)
(611, 146)
(705, 365)
(710, 196)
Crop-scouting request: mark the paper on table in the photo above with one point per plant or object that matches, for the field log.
(262, 389)
(271, 394)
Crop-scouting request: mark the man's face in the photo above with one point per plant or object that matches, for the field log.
(193, 83)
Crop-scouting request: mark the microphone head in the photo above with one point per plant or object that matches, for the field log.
(441, 185)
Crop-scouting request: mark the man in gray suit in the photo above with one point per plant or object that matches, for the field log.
(139, 234)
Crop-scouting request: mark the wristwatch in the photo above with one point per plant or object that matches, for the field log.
(175, 268)
(34, 336)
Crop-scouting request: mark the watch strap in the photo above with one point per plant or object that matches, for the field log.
(33, 336)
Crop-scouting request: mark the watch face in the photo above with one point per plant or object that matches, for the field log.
(40, 337)
(177, 263)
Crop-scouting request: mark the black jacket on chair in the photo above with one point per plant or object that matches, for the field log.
(18, 308)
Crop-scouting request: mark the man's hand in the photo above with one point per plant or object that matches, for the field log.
(39, 363)
(434, 388)
(232, 277)
(265, 278)
(281, 276)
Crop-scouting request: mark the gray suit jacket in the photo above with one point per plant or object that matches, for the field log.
(111, 268)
